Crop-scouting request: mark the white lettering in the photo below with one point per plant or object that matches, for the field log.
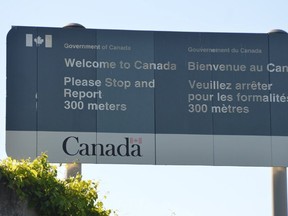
(88, 64)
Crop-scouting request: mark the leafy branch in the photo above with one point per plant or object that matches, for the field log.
(37, 182)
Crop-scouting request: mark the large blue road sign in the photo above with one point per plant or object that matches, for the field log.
(146, 97)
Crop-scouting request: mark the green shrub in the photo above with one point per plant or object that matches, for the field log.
(37, 182)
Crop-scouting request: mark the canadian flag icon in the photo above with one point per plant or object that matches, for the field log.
(134, 140)
(30, 40)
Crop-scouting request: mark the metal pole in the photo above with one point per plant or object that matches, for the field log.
(279, 191)
(72, 169)
(279, 176)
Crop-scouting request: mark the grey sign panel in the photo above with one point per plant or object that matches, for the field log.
(144, 97)
(61, 95)
(128, 89)
(173, 91)
(22, 80)
(232, 105)
(278, 44)
(278, 47)
(21, 107)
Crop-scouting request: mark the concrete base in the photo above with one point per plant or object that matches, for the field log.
(11, 205)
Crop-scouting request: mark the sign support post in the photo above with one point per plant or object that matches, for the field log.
(72, 169)
(279, 183)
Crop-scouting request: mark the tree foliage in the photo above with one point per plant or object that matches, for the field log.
(37, 182)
